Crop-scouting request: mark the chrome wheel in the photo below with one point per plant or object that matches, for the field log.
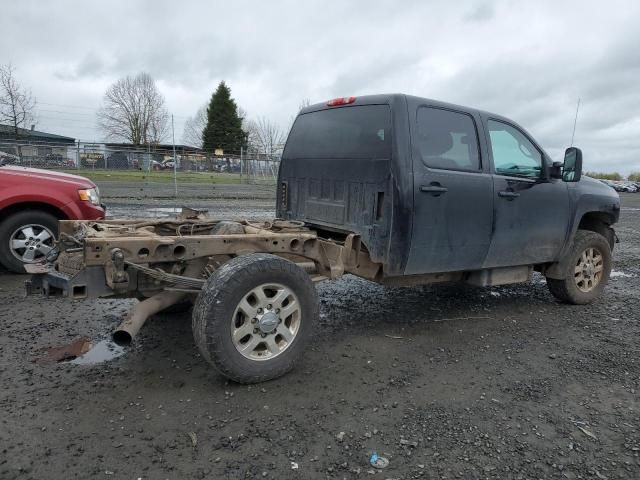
(588, 271)
(31, 243)
(266, 322)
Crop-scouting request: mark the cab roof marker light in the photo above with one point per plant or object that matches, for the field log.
(340, 101)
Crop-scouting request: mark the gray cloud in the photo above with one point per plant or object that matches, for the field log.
(480, 13)
(525, 60)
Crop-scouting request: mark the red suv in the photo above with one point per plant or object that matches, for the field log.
(31, 203)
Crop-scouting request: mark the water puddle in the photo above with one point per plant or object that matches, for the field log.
(84, 352)
(217, 212)
(137, 212)
(102, 351)
(617, 274)
(165, 210)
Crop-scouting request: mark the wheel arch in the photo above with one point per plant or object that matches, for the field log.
(40, 206)
(599, 222)
(594, 221)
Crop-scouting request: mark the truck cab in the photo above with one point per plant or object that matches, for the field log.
(435, 188)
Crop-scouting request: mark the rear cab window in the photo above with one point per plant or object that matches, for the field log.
(361, 131)
(447, 140)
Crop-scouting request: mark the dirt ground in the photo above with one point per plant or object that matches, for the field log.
(444, 382)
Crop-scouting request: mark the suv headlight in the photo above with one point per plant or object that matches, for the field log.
(90, 195)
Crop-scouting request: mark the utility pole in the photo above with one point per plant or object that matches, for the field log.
(175, 160)
(575, 121)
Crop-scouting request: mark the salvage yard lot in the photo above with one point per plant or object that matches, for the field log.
(444, 382)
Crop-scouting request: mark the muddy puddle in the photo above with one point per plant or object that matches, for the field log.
(83, 351)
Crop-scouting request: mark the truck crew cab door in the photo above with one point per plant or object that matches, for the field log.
(531, 212)
(452, 193)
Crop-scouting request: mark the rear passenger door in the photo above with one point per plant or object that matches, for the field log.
(453, 193)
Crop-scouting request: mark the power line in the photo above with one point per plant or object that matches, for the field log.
(65, 105)
(66, 113)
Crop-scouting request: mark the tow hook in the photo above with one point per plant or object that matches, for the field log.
(119, 276)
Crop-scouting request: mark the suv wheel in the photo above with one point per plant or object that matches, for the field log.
(587, 271)
(26, 237)
(255, 316)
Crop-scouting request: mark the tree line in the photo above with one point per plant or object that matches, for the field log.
(615, 176)
(134, 110)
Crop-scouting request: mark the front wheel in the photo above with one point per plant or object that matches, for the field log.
(26, 237)
(587, 270)
(255, 316)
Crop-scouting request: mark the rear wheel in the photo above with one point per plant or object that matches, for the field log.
(26, 237)
(587, 270)
(255, 317)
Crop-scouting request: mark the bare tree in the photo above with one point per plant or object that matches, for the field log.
(16, 103)
(265, 136)
(134, 111)
(304, 103)
(194, 126)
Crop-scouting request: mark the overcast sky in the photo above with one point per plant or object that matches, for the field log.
(529, 61)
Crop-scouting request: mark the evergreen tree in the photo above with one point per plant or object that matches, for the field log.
(224, 125)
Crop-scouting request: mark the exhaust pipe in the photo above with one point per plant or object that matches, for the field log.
(152, 305)
(141, 312)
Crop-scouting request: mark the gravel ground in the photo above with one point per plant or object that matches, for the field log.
(444, 382)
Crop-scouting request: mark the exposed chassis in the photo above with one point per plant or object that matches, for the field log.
(174, 262)
(138, 258)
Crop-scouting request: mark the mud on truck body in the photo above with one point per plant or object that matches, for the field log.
(395, 189)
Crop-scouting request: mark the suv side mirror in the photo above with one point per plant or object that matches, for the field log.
(572, 168)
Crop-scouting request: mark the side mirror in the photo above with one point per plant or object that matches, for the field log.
(572, 168)
(555, 170)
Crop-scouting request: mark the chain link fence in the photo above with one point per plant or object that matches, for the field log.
(248, 167)
(153, 181)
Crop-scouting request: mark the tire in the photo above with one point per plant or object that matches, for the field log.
(261, 304)
(576, 288)
(35, 229)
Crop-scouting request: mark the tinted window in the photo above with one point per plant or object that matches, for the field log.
(513, 153)
(347, 132)
(447, 139)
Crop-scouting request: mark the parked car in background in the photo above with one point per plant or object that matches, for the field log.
(32, 202)
(168, 165)
(617, 186)
(9, 159)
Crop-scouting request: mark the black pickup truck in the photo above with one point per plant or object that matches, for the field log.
(432, 187)
(396, 189)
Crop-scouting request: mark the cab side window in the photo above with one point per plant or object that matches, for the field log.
(513, 153)
(447, 140)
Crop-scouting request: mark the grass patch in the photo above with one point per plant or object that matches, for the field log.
(138, 176)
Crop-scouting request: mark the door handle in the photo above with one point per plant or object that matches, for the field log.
(434, 189)
(508, 194)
